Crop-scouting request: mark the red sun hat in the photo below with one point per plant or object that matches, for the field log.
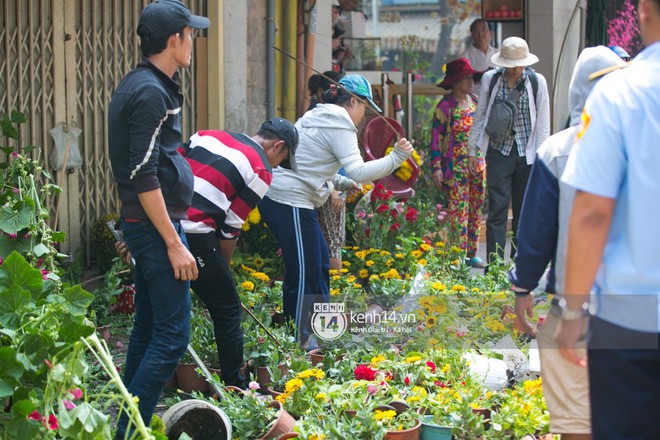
(457, 70)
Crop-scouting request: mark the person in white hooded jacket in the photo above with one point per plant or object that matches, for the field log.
(328, 142)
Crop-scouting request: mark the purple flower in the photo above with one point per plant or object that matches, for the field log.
(69, 405)
(15, 190)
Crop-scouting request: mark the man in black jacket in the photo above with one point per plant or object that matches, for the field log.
(155, 187)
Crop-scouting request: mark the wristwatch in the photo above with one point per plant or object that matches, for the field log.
(572, 314)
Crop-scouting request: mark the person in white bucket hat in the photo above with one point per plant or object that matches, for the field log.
(509, 152)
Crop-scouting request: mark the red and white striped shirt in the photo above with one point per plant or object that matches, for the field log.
(232, 175)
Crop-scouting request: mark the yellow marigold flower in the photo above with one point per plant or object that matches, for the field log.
(425, 247)
(455, 263)
(389, 262)
(422, 261)
(376, 360)
(413, 399)
(346, 263)
(440, 308)
(369, 263)
(431, 321)
(495, 326)
(321, 396)
(425, 301)
(456, 249)
(438, 286)
(292, 385)
(361, 254)
(320, 436)
(334, 292)
(245, 227)
(364, 273)
(247, 285)
(476, 289)
(399, 255)
(246, 269)
(445, 368)
(412, 359)
(419, 390)
(458, 288)
(385, 253)
(416, 253)
(342, 270)
(391, 274)
(333, 272)
(254, 216)
(374, 277)
(281, 398)
(260, 276)
(357, 286)
(439, 244)
(351, 278)
(336, 277)
(384, 415)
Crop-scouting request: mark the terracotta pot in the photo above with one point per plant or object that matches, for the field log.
(316, 356)
(485, 412)
(288, 435)
(263, 376)
(399, 406)
(188, 380)
(283, 424)
(274, 393)
(197, 418)
(172, 382)
(406, 434)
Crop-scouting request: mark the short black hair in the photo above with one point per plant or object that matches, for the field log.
(474, 24)
(268, 135)
(153, 46)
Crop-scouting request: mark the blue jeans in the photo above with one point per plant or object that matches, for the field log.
(161, 330)
(306, 260)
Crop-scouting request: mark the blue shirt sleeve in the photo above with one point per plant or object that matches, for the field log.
(536, 238)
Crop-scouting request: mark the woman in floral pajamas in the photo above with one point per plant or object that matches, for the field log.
(449, 160)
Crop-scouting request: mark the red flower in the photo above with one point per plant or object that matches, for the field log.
(395, 227)
(406, 380)
(382, 208)
(431, 366)
(394, 213)
(363, 372)
(411, 214)
(34, 415)
(52, 422)
(440, 384)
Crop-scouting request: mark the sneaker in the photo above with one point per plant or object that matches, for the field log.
(476, 262)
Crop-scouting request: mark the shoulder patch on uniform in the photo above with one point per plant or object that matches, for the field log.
(584, 123)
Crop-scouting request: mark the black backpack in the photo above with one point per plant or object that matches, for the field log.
(503, 111)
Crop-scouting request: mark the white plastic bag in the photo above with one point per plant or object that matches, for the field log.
(66, 138)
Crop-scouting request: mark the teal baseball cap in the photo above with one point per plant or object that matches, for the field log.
(358, 85)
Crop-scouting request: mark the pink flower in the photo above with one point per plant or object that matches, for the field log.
(372, 389)
(76, 393)
(12, 236)
(254, 386)
(69, 405)
(1, 261)
(34, 415)
(119, 344)
(47, 362)
(14, 154)
(15, 190)
(44, 273)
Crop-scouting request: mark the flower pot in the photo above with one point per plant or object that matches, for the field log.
(188, 380)
(216, 371)
(433, 431)
(288, 435)
(406, 434)
(172, 382)
(485, 412)
(274, 393)
(198, 419)
(316, 356)
(263, 376)
(283, 424)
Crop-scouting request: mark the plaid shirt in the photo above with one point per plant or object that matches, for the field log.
(522, 126)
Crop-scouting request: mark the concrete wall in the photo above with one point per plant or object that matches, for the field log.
(245, 64)
(548, 21)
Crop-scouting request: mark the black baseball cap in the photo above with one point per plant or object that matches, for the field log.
(163, 18)
(284, 130)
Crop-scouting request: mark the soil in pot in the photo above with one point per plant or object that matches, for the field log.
(199, 419)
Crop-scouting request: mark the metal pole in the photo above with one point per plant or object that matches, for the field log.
(385, 101)
(409, 105)
(270, 60)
